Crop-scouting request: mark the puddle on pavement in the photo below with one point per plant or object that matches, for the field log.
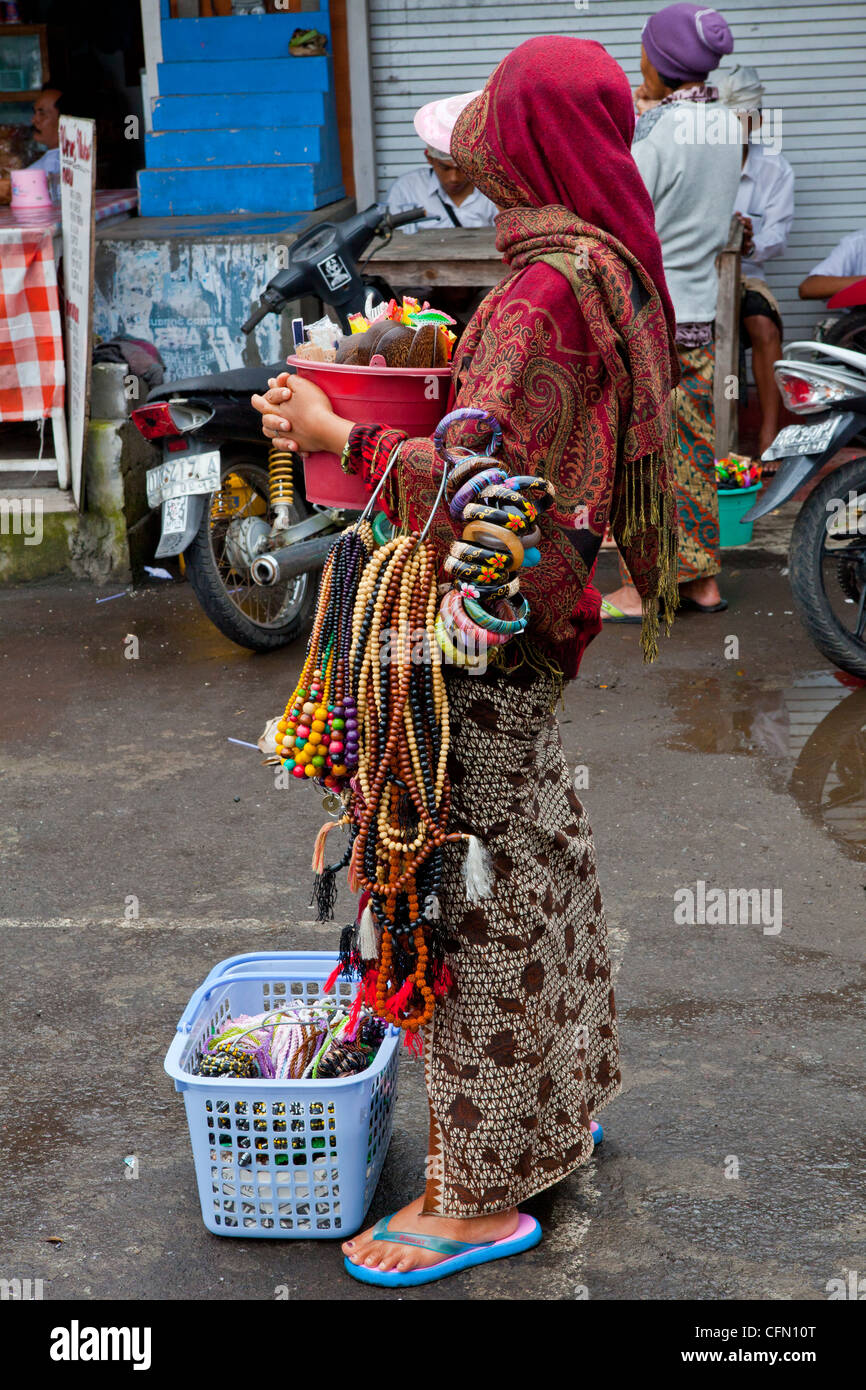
(814, 729)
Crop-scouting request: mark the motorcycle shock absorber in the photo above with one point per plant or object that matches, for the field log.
(281, 486)
(221, 503)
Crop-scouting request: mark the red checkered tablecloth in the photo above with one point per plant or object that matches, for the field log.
(32, 372)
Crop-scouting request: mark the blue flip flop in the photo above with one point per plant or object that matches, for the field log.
(459, 1254)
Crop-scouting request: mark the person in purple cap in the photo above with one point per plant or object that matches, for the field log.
(693, 182)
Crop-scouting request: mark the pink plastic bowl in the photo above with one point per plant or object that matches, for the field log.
(407, 398)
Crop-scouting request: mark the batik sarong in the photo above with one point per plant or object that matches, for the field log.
(523, 1051)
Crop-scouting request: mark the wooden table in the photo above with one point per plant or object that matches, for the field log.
(462, 256)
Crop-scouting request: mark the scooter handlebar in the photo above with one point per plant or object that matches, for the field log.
(401, 219)
(256, 317)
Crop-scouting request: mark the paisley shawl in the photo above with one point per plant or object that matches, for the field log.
(574, 351)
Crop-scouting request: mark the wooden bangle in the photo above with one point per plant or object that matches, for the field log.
(496, 538)
(513, 518)
(539, 490)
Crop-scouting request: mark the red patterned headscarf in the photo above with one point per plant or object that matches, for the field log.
(573, 352)
(548, 140)
(553, 127)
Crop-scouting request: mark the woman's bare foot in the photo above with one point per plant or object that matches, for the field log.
(386, 1255)
(627, 600)
(703, 591)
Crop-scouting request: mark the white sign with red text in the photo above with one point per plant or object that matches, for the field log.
(77, 183)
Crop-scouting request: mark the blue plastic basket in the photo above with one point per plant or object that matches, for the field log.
(281, 1159)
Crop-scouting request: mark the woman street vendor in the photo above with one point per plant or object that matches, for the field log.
(574, 355)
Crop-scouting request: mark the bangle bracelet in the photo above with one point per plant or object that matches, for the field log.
(466, 468)
(346, 456)
(454, 608)
(449, 650)
(512, 519)
(506, 496)
(539, 490)
(531, 538)
(488, 592)
(467, 413)
(487, 574)
(473, 487)
(495, 538)
(510, 626)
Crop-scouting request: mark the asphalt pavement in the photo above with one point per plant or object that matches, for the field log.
(138, 846)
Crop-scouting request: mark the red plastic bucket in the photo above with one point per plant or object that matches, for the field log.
(407, 398)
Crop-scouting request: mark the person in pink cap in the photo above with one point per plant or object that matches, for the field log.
(450, 198)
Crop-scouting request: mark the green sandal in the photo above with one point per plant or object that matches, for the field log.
(611, 614)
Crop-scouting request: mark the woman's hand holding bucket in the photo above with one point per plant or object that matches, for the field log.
(297, 415)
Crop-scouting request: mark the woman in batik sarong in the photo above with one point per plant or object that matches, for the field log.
(687, 152)
(573, 353)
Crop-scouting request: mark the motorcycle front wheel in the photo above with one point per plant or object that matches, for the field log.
(849, 331)
(259, 618)
(828, 566)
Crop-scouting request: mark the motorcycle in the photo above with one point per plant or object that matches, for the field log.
(233, 506)
(849, 329)
(827, 557)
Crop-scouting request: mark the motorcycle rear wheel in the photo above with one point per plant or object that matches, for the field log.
(814, 562)
(258, 618)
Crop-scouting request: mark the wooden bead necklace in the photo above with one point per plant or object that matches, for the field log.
(368, 720)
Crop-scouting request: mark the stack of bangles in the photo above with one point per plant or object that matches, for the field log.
(482, 607)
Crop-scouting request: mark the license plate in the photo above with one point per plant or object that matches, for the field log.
(804, 439)
(183, 476)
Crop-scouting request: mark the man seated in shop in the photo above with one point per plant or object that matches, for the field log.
(47, 110)
(450, 199)
(845, 265)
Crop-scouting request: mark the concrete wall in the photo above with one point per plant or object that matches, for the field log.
(111, 540)
(189, 298)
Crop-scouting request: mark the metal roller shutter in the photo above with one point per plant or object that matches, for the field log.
(811, 57)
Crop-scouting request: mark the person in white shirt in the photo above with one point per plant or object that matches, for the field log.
(447, 195)
(46, 128)
(845, 265)
(765, 205)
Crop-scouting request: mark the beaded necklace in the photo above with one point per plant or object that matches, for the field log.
(368, 719)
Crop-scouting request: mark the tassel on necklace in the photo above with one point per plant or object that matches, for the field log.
(325, 893)
(477, 871)
(369, 935)
(319, 846)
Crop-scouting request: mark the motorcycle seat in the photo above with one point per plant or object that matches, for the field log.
(241, 381)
